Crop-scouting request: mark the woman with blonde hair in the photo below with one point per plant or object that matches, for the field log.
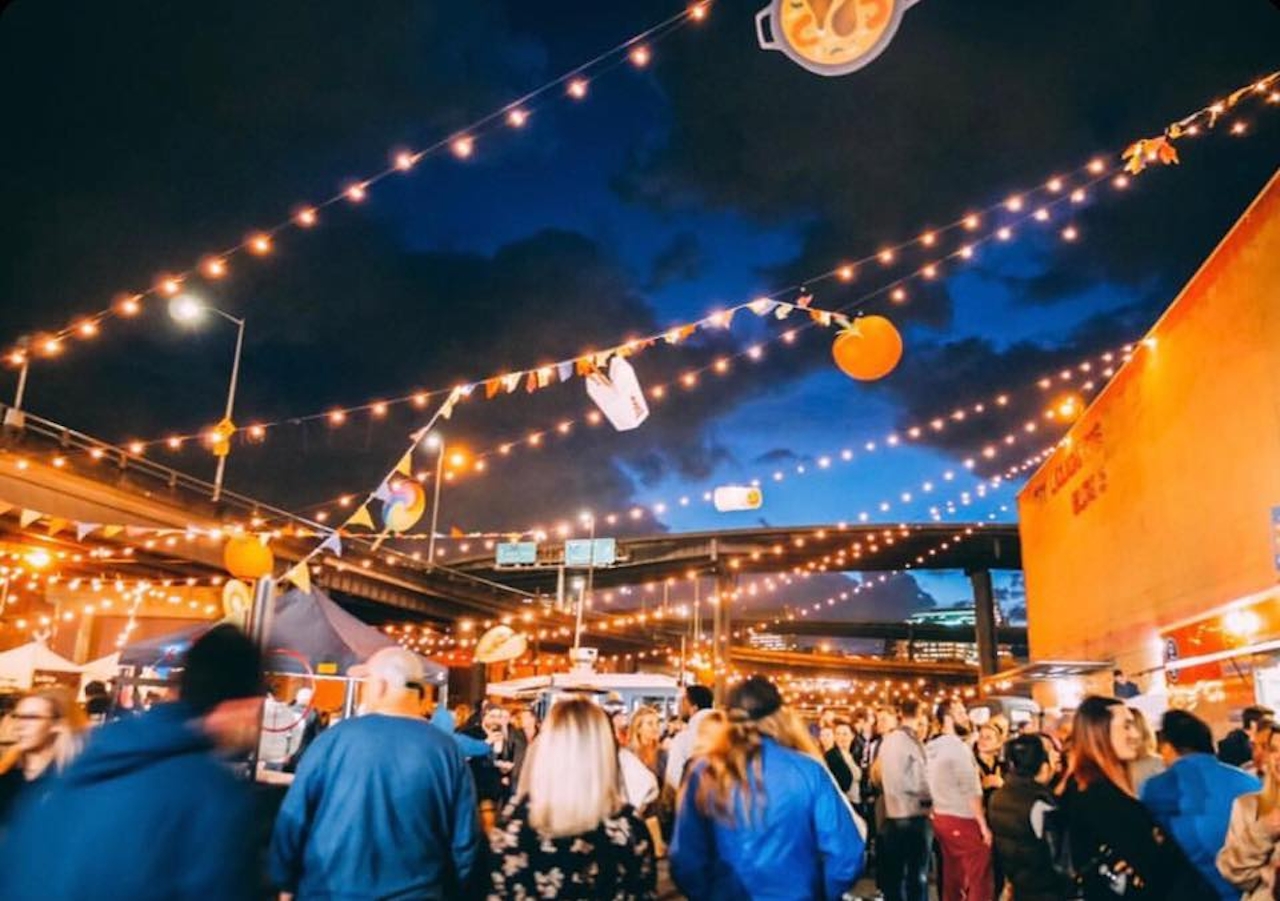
(568, 833)
(1248, 859)
(1116, 846)
(760, 815)
(1148, 763)
(646, 741)
(49, 724)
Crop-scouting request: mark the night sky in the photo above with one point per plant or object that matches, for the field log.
(138, 137)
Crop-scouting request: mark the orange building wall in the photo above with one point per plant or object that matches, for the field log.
(1160, 507)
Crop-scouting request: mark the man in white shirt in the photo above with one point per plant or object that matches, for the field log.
(695, 704)
(959, 821)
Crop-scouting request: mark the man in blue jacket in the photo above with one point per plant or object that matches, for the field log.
(1192, 798)
(383, 805)
(149, 812)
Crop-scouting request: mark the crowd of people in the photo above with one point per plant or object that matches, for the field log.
(744, 800)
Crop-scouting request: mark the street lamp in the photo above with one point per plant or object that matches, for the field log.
(189, 310)
(590, 522)
(435, 442)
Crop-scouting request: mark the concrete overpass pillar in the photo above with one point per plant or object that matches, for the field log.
(720, 646)
(984, 605)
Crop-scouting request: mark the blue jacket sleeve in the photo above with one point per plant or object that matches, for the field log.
(466, 824)
(1160, 797)
(692, 844)
(840, 841)
(471, 746)
(289, 838)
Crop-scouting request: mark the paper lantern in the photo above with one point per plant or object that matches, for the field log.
(619, 395)
(868, 349)
(247, 557)
(500, 644)
(405, 504)
(728, 498)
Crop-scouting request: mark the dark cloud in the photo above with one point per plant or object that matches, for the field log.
(961, 108)
(682, 260)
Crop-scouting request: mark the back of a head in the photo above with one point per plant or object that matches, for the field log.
(942, 712)
(223, 665)
(909, 709)
(1256, 714)
(576, 730)
(1186, 733)
(699, 697)
(1026, 754)
(755, 698)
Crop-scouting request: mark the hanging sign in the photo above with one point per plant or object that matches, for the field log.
(830, 37)
(517, 553)
(601, 552)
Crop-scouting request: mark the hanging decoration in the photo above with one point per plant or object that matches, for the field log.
(869, 349)
(248, 557)
(237, 599)
(732, 498)
(830, 37)
(404, 505)
(619, 395)
(500, 644)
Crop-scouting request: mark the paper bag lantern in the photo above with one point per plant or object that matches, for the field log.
(500, 644)
(729, 498)
(619, 395)
(248, 557)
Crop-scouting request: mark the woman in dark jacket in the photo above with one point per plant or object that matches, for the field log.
(843, 764)
(1024, 817)
(1117, 848)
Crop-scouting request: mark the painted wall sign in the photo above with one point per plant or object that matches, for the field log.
(830, 37)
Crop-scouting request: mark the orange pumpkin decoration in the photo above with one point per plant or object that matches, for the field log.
(247, 557)
(868, 349)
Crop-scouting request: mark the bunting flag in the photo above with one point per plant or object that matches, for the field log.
(27, 517)
(332, 544)
(300, 576)
(361, 517)
(85, 529)
(111, 531)
(405, 466)
(57, 525)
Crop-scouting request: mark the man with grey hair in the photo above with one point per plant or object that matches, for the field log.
(383, 805)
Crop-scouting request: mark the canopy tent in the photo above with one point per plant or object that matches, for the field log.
(19, 665)
(310, 624)
(103, 669)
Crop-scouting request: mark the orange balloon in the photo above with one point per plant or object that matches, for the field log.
(246, 557)
(868, 349)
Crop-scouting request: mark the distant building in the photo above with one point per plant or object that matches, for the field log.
(956, 617)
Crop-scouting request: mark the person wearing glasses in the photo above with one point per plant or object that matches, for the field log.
(48, 724)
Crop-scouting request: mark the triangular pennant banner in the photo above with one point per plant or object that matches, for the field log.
(545, 374)
(85, 529)
(28, 517)
(405, 466)
(491, 388)
(511, 382)
(763, 306)
(455, 532)
(300, 576)
(57, 525)
(383, 493)
(111, 531)
(332, 544)
(783, 310)
(361, 517)
(565, 370)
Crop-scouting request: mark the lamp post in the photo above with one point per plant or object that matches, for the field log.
(435, 440)
(188, 310)
(13, 416)
(590, 522)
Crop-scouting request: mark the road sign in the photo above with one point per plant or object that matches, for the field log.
(603, 552)
(517, 553)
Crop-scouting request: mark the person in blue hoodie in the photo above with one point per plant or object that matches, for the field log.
(760, 818)
(383, 805)
(1192, 798)
(149, 811)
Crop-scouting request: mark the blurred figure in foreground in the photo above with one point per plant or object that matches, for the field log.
(158, 781)
(572, 836)
(383, 805)
(1248, 858)
(48, 732)
(760, 816)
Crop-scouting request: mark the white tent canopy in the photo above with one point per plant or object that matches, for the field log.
(18, 665)
(104, 669)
